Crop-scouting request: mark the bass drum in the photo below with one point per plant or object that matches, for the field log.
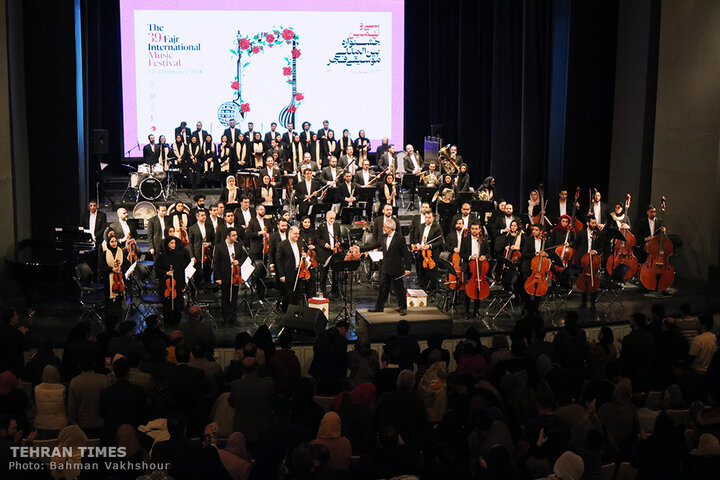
(151, 188)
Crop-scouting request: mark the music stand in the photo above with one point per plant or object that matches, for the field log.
(482, 208)
(409, 183)
(464, 197)
(318, 209)
(426, 193)
(330, 195)
(348, 213)
(367, 195)
(271, 210)
(343, 269)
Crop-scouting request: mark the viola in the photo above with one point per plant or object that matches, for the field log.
(171, 288)
(118, 283)
(311, 255)
(455, 280)
(428, 262)
(266, 244)
(477, 286)
(304, 272)
(352, 255)
(131, 251)
(657, 273)
(184, 236)
(537, 283)
(206, 256)
(589, 280)
(623, 250)
(336, 247)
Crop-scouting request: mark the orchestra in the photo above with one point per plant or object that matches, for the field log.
(283, 199)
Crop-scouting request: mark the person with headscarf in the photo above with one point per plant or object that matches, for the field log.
(209, 157)
(50, 398)
(433, 391)
(225, 156)
(486, 191)
(330, 435)
(112, 268)
(230, 194)
(355, 408)
(403, 409)
(620, 421)
(703, 461)
(568, 467)
(534, 207)
(235, 457)
(180, 151)
(462, 181)
(69, 467)
(258, 151)
(170, 270)
(361, 146)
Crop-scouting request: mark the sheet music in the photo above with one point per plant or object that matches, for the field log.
(189, 271)
(246, 269)
(130, 270)
(376, 256)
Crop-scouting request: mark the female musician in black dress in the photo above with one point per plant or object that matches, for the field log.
(209, 154)
(258, 151)
(241, 153)
(193, 167)
(266, 194)
(388, 194)
(224, 157)
(114, 261)
(331, 147)
(170, 265)
(180, 151)
(362, 147)
(462, 181)
(345, 141)
(230, 193)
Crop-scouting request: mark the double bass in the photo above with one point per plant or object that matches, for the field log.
(537, 283)
(623, 250)
(589, 279)
(657, 273)
(477, 286)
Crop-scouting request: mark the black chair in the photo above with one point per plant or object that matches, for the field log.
(91, 296)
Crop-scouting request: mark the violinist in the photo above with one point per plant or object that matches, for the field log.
(428, 238)
(306, 191)
(202, 239)
(112, 266)
(173, 258)
(647, 228)
(227, 223)
(563, 238)
(258, 233)
(180, 219)
(289, 254)
(329, 235)
(472, 247)
(308, 234)
(590, 240)
(124, 230)
(228, 254)
(418, 221)
(243, 215)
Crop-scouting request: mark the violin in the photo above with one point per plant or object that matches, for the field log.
(206, 256)
(336, 247)
(303, 272)
(131, 251)
(118, 283)
(266, 244)
(623, 250)
(170, 288)
(428, 262)
(589, 280)
(537, 283)
(352, 255)
(477, 286)
(657, 273)
(311, 254)
(236, 274)
(184, 236)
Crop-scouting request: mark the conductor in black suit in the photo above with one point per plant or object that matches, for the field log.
(184, 131)
(228, 254)
(232, 134)
(396, 264)
(151, 152)
(95, 221)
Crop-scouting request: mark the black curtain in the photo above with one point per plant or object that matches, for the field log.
(482, 69)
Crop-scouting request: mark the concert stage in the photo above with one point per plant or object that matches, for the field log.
(424, 321)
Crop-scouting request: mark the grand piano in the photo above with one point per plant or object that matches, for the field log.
(37, 263)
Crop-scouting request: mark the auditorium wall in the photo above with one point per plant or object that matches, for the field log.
(686, 162)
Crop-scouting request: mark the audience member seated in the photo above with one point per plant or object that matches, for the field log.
(330, 435)
(84, 397)
(50, 401)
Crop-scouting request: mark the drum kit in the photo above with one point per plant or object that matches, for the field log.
(151, 182)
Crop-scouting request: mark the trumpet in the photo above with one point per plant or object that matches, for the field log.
(446, 162)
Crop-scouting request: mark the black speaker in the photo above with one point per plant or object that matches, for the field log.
(99, 142)
(304, 318)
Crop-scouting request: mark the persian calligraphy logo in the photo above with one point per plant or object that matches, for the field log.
(359, 48)
(237, 108)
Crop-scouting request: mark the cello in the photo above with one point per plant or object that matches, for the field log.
(537, 283)
(477, 286)
(455, 280)
(589, 279)
(657, 273)
(566, 252)
(623, 250)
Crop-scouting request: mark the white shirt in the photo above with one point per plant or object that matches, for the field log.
(162, 226)
(590, 239)
(214, 222)
(125, 227)
(246, 215)
(283, 236)
(426, 232)
(466, 222)
(201, 225)
(91, 224)
(231, 251)
(296, 253)
(389, 240)
(563, 208)
(508, 221)
(308, 186)
(415, 164)
(262, 224)
(366, 177)
(333, 172)
(459, 237)
(651, 223)
(596, 211)
(538, 245)
(475, 247)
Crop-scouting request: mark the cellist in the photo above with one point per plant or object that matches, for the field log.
(590, 240)
(429, 237)
(472, 247)
(558, 234)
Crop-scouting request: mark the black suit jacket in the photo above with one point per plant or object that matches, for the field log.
(179, 130)
(306, 136)
(196, 240)
(222, 265)
(327, 174)
(155, 235)
(471, 218)
(100, 224)
(466, 247)
(222, 229)
(275, 241)
(360, 178)
(301, 189)
(451, 241)
(288, 138)
(344, 192)
(256, 241)
(409, 164)
(642, 230)
(201, 136)
(500, 223)
(604, 213)
(270, 136)
(582, 246)
(383, 160)
(228, 133)
(151, 153)
(323, 237)
(285, 262)
(435, 234)
(396, 259)
(119, 231)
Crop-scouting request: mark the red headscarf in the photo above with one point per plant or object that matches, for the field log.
(560, 227)
(360, 395)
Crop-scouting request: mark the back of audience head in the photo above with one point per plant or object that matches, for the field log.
(182, 354)
(121, 368)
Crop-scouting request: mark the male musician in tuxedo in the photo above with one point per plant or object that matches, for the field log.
(647, 228)
(560, 207)
(328, 238)
(250, 134)
(323, 132)
(428, 237)
(346, 191)
(364, 175)
(258, 231)
(227, 255)
(306, 135)
(417, 222)
(151, 152)
(199, 133)
(387, 159)
(532, 247)
(243, 215)
(215, 219)
(289, 136)
(184, 131)
(156, 230)
(473, 247)
(599, 210)
(413, 161)
(227, 224)
(199, 200)
(465, 215)
(232, 133)
(123, 230)
(287, 264)
(271, 135)
(306, 191)
(502, 224)
(95, 221)
(396, 264)
(458, 159)
(276, 238)
(201, 236)
(453, 240)
(380, 221)
(332, 172)
(590, 240)
(349, 158)
(272, 170)
(308, 163)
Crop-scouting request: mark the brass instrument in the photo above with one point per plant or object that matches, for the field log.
(447, 164)
(483, 194)
(447, 195)
(428, 178)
